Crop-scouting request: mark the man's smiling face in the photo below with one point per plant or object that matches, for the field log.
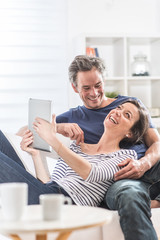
(90, 87)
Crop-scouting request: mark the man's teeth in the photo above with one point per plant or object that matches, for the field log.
(93, 99)
(113, 120)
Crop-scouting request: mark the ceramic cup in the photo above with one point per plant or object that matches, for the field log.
(52, 206)
(13, 200)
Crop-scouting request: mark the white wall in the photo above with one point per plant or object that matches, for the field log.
(20, 18)
(110, 17)
(32, 58)
(158, 15)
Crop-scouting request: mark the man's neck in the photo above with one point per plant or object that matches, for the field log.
(107, 101)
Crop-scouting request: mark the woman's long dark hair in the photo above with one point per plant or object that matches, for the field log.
(140, 127)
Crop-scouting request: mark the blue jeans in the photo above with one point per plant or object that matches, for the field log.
(152, 177)
(12, 170)
(131, 199)
(154, 189)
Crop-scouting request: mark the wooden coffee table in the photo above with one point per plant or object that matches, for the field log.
(74, 218)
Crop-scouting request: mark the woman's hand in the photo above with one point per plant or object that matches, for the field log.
(40, 170)
(45, 130)
(27, 140)
(21, 131)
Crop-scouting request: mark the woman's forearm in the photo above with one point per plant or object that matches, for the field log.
(47, 131)
(76, 162)
(40, 170)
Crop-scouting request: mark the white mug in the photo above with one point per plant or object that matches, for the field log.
(14, 198)
(52, 205)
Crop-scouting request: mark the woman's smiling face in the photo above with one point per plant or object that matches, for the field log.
(122, 118)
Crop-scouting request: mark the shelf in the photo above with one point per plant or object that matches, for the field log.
(118, 53)
(114, 79)
(152, 79)
(129, 78)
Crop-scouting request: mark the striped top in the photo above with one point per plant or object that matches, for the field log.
(91, 191)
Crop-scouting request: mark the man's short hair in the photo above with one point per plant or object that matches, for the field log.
(83, 63)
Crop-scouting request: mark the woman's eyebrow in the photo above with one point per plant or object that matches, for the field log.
(127, 110)
(130, 112)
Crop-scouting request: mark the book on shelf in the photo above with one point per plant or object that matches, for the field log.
(92, 52)
(96, 52)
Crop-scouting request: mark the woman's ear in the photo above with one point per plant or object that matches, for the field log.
(74, 88)
(129, 135)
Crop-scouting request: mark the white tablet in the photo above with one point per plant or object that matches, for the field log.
(43, 109)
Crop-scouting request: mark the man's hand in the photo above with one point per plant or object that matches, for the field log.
(71, 130)
(155, 204)
(131, 169)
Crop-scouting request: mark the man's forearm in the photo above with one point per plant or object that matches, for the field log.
(151, 156)
(136, 169)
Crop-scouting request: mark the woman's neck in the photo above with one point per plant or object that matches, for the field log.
(107, 144)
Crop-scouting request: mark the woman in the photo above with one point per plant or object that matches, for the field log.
(84, 172)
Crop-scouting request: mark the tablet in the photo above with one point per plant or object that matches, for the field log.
(43, 109)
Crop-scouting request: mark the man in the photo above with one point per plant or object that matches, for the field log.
(85, 123)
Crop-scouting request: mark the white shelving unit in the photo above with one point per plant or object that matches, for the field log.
(117, 53)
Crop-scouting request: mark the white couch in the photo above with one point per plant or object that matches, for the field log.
(110, 231)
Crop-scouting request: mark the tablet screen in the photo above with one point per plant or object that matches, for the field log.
(43, 109)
